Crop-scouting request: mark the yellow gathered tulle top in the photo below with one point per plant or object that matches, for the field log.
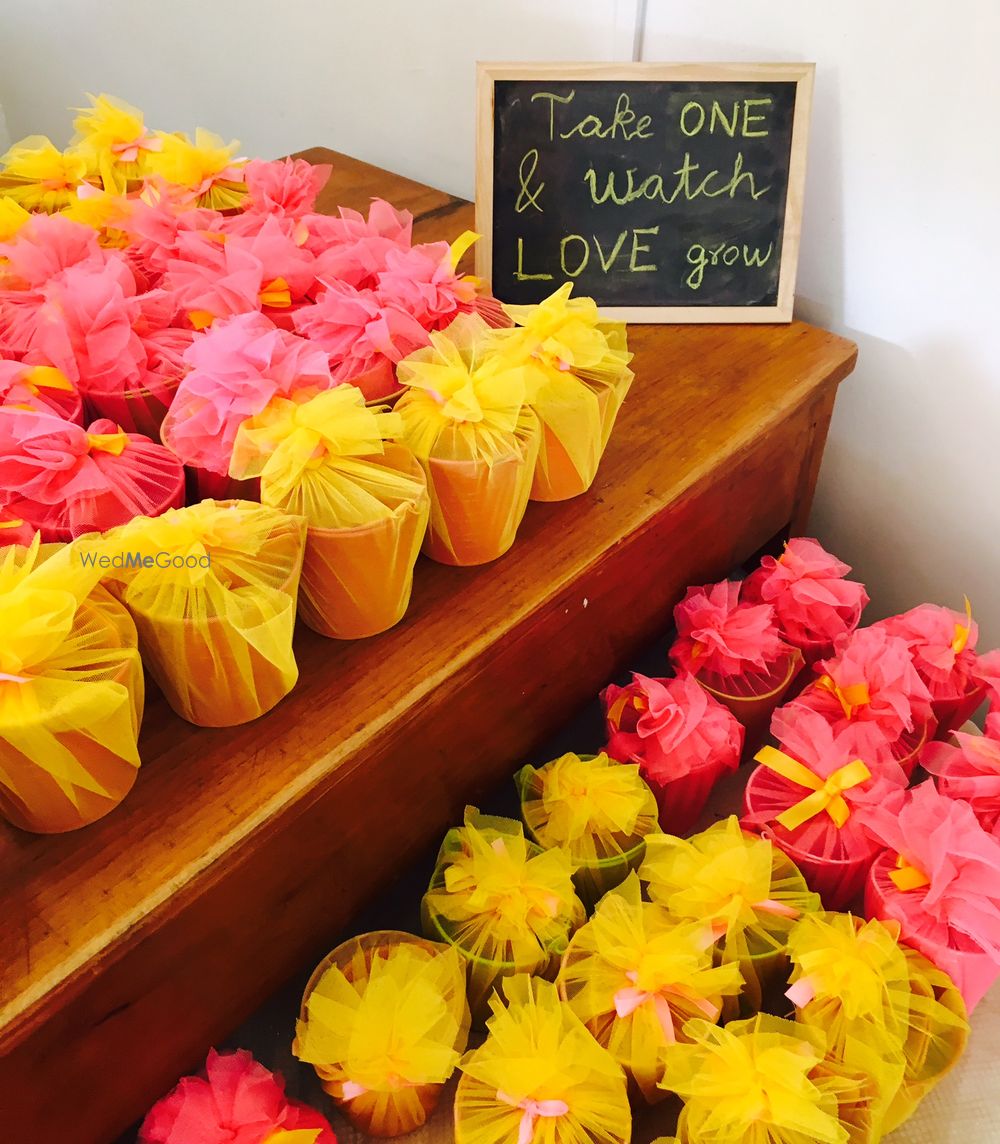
(634, 976)
(319, 459)
(207, 166)
(539, 1077)
(593, 807)
(40, 177)
(112, 137)
(742, 885)
(466, 399)
(499, 896)
(761, 1081)
(394, 1020)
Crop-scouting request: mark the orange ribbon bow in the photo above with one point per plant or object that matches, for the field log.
(851, 698)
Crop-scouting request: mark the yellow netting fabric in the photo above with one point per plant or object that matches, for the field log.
(579, 378)
(598, 810)
(384, 1021)
(71, 690)
(40, 177)
(112, 137)
(365, 501)
(540, 1077)
(214, 605)
(764, 1081)
(634, 976)
(466, 419)
(507, 905)
(741, 885)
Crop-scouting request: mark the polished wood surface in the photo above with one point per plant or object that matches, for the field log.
(130, 946)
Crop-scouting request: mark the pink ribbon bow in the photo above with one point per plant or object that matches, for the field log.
(630, 998)
(533, 1110)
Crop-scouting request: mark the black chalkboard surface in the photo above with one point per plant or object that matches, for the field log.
(666, 192)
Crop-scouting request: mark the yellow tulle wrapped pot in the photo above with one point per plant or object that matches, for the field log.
(383, 1022)
(765, 1081)
(579, 378)
(596, 809)
(634, 976)
(507, 906)
(213, 595)
(936, 1035)
(71, 691)
(364, 499)
(742, 886)
(466, 419)
(540, 1077)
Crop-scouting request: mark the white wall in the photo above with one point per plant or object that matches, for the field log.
(900, 250)
(390, 81)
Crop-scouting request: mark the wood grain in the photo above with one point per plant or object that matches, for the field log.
(132, 945)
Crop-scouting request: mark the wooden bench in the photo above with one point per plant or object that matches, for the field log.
(129, 947)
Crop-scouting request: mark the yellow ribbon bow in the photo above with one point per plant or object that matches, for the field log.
(963, 631)
(908, 877)
(850, 698)
(113, 443)
(288, 438)
(276, 294)
(11, 523)
(47, 377)
(294, 1136)
(461, 244)
(828, 794)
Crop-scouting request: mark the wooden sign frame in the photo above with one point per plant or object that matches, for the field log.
(487, 74)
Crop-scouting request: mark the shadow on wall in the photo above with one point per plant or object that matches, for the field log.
(907, 467)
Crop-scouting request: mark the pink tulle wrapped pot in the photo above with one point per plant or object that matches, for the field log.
(65, 481)
(235, 369)
(683, 740)
(942, 645)
(939, 877)
(810, 797)
(968, 768)
(872, 680)
(43, 389)
(814, 604)
(13, 530)
(236, 1101)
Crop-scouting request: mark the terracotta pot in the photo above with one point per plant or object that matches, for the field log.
(476, 507)
(203, 484)
(951, 714)
(753, 697)
(135, 410)
(356, 582)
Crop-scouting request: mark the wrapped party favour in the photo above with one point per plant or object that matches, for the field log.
(596, 809)
(766, 1081)
(465, 417)
(235, 369)
(71, 691)
(683, 739)
(814, 603)
(235, 1100)
(14, 530)
(736, 653)
(634, 975)
(540, 1077)
(36, 175)
(883, 1007)
(364, 498)
(872, 680)
(40, 388)
(939, 878)
(580, 376)
(65, 480)
(212, 589)
(384, 1021)
(206, 167)
(942, 644)
(507, 905)
(810, 796)
(741, 886)
(967, 768)
(113, 139)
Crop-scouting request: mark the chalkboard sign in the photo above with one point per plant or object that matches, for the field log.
(668, 192)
